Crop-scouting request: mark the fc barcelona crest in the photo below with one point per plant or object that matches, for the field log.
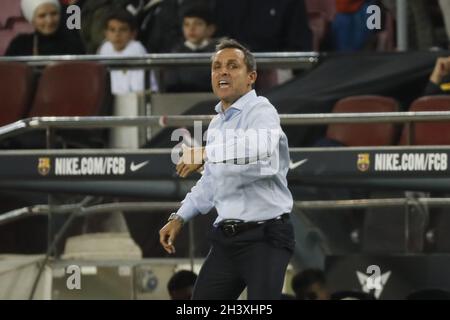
(363, 161)
(44, 166)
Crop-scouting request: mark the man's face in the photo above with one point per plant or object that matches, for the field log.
(46, 19)
(230, 78)
(119, 34)
(196, 30)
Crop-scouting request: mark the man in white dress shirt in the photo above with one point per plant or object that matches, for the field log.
(252, 238)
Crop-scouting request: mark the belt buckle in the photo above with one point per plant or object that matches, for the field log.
(229, 229)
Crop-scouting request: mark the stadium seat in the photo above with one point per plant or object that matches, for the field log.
(429, 133)
(70, 89)
(10, 9)
(20, 25)
(364, 134)
(6, 35)
(16, 81)
(433, 133)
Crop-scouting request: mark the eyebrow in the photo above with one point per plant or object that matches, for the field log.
(228, 61)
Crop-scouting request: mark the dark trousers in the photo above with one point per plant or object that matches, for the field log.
(256, 258)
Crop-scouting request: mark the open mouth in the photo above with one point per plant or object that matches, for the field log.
(224, 84)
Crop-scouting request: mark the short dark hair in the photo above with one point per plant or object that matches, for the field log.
(122, 16)
(198, 11)
(249, 58)
(181, 279)
(305, 279)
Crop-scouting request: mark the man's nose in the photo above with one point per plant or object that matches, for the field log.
(223, 71)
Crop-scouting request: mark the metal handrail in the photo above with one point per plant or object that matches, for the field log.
(16, 214)
(187, 120)
(173, 206)
(274, 59)
(370, 203)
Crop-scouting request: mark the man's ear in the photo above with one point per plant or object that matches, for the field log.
(252, 77)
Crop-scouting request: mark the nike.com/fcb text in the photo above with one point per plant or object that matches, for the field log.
(411, 162)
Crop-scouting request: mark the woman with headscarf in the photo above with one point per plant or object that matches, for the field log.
(50, 36)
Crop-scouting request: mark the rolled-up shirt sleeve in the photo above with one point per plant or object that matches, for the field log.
(200, 199)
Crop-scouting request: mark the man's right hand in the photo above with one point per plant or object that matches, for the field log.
(191, 161)
(441, 69)
(168, 234)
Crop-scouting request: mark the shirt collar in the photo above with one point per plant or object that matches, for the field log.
(238, 104)
(194, 46)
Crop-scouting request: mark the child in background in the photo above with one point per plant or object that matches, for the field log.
(120, 33)
(198, 29)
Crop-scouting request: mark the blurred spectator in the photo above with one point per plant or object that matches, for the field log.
(159, 21)
(159, 27)
(265, 26)
(310, 284)
(198, 29)
(440, 78)
(50, 37)
(120, 32)
(420, 25)
(181, 285)
(94, 14)
(349, 28)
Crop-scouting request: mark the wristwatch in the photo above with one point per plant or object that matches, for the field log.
(175, 216)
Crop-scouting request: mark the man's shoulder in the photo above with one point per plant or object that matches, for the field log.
(261, 104)
(106, 48)
(261, 100)
(214, 121)
(136, 47)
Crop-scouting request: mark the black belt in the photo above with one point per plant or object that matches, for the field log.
(233, 227)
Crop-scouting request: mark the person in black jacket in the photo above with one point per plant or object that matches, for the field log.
(50, 38)
(265, 26)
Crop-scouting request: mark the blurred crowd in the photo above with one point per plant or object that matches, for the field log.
(265, 26)
(136, 27)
